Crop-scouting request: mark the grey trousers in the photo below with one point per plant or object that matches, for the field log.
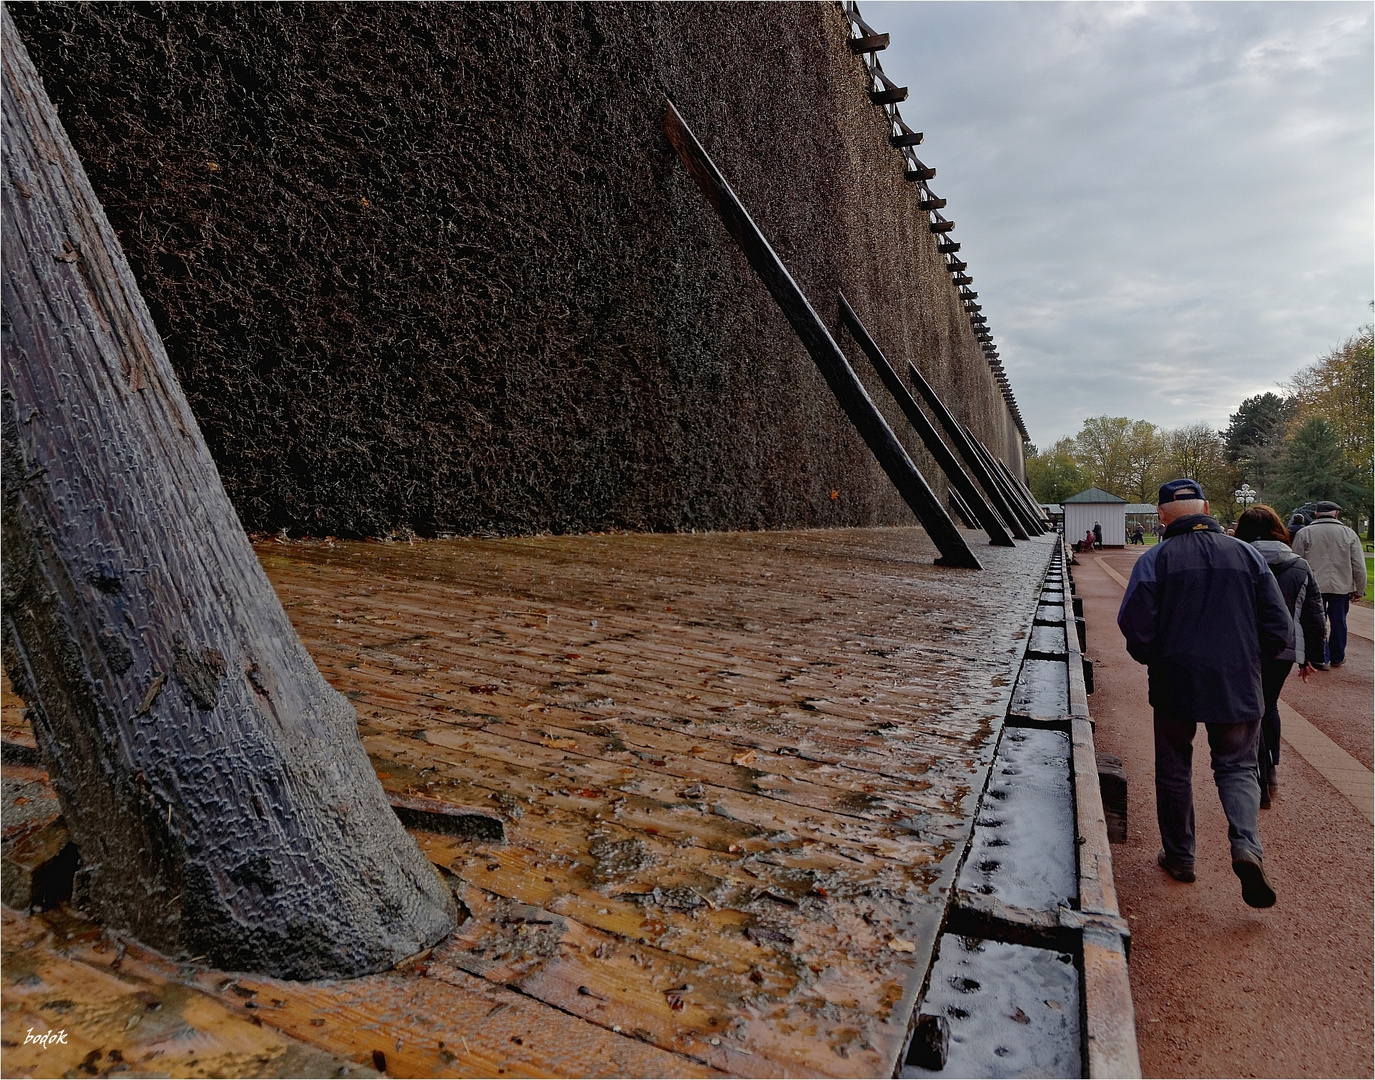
(1235, 771)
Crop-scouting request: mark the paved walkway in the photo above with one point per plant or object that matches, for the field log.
(1219, 988)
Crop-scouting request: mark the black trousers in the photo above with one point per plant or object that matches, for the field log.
(1272, 676)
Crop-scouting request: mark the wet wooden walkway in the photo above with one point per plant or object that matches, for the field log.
(733, 775)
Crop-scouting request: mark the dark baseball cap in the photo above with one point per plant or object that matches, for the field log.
(1327, 508)
(1179, 489)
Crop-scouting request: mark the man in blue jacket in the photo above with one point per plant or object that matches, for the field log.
(1202, 610)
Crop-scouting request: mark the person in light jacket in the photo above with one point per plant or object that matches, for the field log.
(1261, 527)
(1338, 561)
(1203, 611)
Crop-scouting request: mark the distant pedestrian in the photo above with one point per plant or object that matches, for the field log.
(1338, 561)
(1097, 534)
(1261, 527)
(1158, 529)
(1203, 611)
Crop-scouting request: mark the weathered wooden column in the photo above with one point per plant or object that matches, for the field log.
(212, 780)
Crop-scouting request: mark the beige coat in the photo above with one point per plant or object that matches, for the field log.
(1334, 553)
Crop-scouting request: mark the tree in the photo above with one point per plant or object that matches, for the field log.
(1146, 449)
(213, 782)
(1255, 438)
(1315, 467)
(1104, 453)
(1200, 453)
(1340, 389)
(1054, 476)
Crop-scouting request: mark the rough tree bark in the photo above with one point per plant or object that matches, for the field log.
(212, 780)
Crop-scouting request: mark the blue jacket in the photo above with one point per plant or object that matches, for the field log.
(1202, 610)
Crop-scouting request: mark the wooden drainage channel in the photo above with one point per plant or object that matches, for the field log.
(708, 801)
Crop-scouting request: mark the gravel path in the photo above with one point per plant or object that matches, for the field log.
(1219, 988)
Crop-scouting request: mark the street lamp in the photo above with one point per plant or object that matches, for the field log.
(1246, 495)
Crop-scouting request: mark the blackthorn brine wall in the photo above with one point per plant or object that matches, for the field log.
(435, 268)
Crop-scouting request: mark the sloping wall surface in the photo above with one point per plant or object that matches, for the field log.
(435, 267)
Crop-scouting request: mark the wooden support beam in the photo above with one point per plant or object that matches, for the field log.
(1015, 501)
(907, 137)
(841, 378)
(942, 226)
(888, 97)
(961, 442)
(955, 264)
(1020, 484)
(932, 204)
(866, 31)
(947, 247)
(869, 43)
(919, 173)
(963, 511)
(961, 279)
(987, 518)
(1029, 509)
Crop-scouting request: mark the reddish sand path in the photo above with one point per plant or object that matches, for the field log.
(1221, 989)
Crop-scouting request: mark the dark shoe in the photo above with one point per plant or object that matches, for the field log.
(1178, 871)
(1322, 667)
(1338, 663)
(1265, 796)
(1255, 887)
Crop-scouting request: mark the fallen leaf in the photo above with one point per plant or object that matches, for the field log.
(744, 757)
(561, 744)
(897, 944)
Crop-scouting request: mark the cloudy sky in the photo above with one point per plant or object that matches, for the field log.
(1165, 207)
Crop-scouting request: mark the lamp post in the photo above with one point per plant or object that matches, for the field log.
(1246, 495)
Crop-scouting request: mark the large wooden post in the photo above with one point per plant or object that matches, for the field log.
(212, 781)
(835, 368)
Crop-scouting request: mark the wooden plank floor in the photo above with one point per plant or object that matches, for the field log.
(735, 773)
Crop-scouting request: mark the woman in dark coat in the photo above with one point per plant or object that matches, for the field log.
(1261, 527)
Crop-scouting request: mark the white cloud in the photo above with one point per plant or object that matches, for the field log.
(1166, 207)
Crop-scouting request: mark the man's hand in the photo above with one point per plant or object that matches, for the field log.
(1305, 671)
(1353, 596)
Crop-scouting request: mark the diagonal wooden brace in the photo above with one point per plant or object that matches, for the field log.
(988, 519)
(964, 446)
(841, 378)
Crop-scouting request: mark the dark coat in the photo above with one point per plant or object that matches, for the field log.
(1201, 611)
(1302, 597)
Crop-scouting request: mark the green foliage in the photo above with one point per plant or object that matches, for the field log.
(1255, 438)
(1200, 453)
(1339, 390)
(1315, 467)
(1314, 445)
(1120, 455)
(1055, 475)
